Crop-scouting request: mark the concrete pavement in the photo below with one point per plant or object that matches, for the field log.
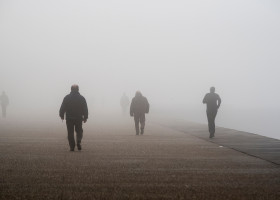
(115, 164)
(249, 143)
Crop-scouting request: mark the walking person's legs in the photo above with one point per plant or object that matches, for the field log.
(142, 123)
(213, 121)
(3, 111)
(211, 115)
(79, 133)
(136, 120)
(209, 122)
(70, 129)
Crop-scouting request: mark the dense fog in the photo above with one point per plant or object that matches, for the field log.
(172, 51)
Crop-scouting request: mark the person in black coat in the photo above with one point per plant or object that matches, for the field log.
(124, 102)
(138, 107)
(75, 107)
(211, 99)
(4, 101)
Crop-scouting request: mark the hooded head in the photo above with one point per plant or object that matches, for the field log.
(212, 89)
(74, 88)
(138, 94)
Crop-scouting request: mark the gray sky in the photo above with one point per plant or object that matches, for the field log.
(172, 51)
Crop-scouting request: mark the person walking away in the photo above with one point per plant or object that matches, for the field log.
(213, 102)
(4, 103)
(138, 108)
(124, 103)
(75, 107)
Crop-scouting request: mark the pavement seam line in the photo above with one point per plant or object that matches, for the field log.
(243, 152)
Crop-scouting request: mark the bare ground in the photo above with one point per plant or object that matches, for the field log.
(115, 164)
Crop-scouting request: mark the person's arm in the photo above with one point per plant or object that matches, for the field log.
(85, 110)
(147, 106)
(204, 99)
(62, 109)
(219, 101)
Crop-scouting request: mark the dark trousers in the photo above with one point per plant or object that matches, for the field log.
(211, 115)
(77, 125)
(4, 111)
(139, 118)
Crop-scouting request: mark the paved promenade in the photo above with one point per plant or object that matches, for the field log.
(248, 143)
(168, 162)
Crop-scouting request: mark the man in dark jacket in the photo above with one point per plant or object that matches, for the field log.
(4, 103)
(211, 99)
(139, 106)
(75, 107)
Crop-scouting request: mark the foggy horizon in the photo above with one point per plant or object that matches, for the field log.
(173, 52)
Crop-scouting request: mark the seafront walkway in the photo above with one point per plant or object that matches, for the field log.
(248, 143)
(172, 160)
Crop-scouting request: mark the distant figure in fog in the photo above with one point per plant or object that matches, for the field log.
(75, 107)
(213, 102)
(124, 103)
(139, 106)
(4, 103)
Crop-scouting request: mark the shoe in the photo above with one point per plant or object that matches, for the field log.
(79, 147)
(71, 149)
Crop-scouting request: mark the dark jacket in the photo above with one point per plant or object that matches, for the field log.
(4, 100)
(75, 106)
(211, 99)
(139, 105)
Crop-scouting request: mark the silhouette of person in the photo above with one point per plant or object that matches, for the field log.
(138, 107)
(4, 103)
(75, 107)
(211, 100)
(124, 103)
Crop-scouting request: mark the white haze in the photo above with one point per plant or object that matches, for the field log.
(173, 51)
